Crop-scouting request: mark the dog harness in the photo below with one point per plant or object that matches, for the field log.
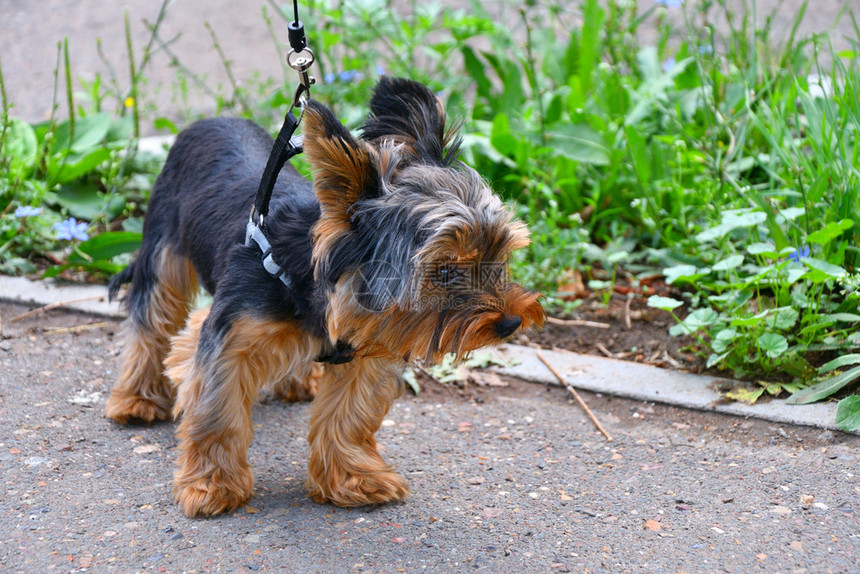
(254, 234)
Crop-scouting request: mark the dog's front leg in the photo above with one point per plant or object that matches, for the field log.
(344, 467)
(218, 378)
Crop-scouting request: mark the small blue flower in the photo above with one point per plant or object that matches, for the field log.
(668, 65)
(706, 49)
(70, 230)
(799, 254)
(380, 71)
(328, 78)
(27, 211)
(349, 76)
(670, 3)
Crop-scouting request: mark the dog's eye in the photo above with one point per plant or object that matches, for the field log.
(447, 275)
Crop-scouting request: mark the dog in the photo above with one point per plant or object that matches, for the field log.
(396, 252)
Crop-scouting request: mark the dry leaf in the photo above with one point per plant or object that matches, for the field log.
(487, 379)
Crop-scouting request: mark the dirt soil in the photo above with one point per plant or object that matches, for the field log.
(624, 329)
(510, 478)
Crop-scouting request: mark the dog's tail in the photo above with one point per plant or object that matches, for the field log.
(120, 279)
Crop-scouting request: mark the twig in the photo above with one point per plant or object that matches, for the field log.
(228, 68)
(605, 351)
(576, 396)
(578, 323)
(627, 322)
(54, 305)
(668, 358)
(164, 45)
(76, 328)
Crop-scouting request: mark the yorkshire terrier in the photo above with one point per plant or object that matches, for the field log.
(396, 252)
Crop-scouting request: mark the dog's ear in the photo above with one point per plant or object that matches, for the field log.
(344, 168)
(410, 114)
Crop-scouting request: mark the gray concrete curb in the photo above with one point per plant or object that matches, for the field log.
(88, 298)
(597, 374)
(647, 383)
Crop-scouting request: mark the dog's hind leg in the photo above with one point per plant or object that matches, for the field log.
(344, 466)
(218, 377)
(295, 389)
(163, 288)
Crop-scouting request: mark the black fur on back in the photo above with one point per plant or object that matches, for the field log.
(199, 208)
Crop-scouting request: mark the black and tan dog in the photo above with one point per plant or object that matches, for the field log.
(396, 252)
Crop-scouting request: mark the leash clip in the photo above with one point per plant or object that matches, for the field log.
(301, 62)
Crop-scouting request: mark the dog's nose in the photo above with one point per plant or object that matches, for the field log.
(507, 325)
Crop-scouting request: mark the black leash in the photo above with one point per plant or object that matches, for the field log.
(300, 58)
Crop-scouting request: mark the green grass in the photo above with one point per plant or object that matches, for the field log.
(715, 160)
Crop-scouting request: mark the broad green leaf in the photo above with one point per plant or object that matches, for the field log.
(749, 321)
(744, 219)
(845, 317)
(639, 153)
(773, 344)
(685, 272)
(792, 213)
(824, 389)
(554, 109)
(112, 243)
(20, 144)
(167, 124)
(88, 203)
(730, 262)
(589, 53)
(833, 271)
(848, 414)
(700, 319)
(794, 274)
(72, 167)
(90, 131)
(850, 359)
(731, 221)
(617, 257)
(121, 130)
(765, 249)
(580, 143)
(105, 267)
(830, 232)
(784, 318)
(665, 303)
(715, 360)
(501, 136)
(724, 338)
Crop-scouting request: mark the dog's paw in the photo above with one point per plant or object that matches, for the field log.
(359, 489)
(124, 408)
(208, 497)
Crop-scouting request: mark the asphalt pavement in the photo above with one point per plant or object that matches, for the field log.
(510, 478)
